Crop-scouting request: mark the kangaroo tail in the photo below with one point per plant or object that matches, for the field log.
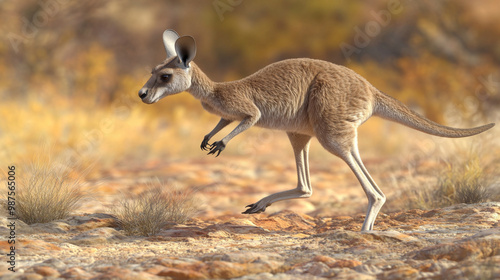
(392, 109)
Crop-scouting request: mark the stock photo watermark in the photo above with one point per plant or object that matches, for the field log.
(121, 109)
(11, 220)
(31, 26)
(223, 6)
(488, 92)
(363, 36)
(490, 85)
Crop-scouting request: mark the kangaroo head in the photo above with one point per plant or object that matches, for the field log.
(173, 75)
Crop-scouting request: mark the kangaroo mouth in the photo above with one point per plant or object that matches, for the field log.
(150, 101)
(150, 98)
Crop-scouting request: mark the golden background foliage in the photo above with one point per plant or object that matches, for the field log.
(70, 70)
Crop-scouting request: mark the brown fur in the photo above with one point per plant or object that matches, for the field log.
(306, 98)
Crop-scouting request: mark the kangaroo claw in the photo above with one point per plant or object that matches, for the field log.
(204, 144)
(254, 209)
(217, 147)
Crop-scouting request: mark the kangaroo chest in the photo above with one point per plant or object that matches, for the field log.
(222, 112)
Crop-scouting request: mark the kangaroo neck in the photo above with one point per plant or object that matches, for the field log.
(202, 87)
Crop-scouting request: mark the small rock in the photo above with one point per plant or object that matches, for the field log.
(431, 213)
(97, 236)
(481, 213)
(219, 234)
(189, 232)
(386, 264)
(54, 263)
(441, 265)
(46, 271)
(4, 247)
(227, 270)
(181, 274)
(238, 226)
(399, 273)
(34, 247)
(114, 272)
(244, 257)
(318, 269)
(389, 236)
(484, 233)
(32, 276)
(265, 276)
(4, 270)
(155, 270)
(465, 249)
(368, 269)
(410, 215)
(346, 263)
(51, 227)
(97, 221)
(285, 220)
(472, 270)
(177, 262)
(345, 273)
(345, 237)
(76, 273)
(311, 270)
(21, 227)
(88, 218)
(329, 261)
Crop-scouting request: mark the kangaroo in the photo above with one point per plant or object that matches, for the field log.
(304, 97)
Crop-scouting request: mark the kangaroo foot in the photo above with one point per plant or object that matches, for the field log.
(217, 147)
(255, 208)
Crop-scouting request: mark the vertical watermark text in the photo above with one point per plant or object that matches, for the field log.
(11, 220)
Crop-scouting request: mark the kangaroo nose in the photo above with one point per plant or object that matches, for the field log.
(143, 93)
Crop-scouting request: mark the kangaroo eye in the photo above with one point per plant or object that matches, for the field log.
(165, 78)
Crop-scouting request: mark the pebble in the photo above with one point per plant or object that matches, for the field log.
(46, 271)
(97, 236)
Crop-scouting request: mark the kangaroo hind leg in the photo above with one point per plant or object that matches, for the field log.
(300, 144)
(345, 146)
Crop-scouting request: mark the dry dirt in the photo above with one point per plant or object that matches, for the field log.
(317, 238)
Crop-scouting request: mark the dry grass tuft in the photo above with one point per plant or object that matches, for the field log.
(463, 183)
(155, 209)
(467, 172)
(47, 191)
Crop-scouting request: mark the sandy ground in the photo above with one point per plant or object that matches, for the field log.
(312, 238)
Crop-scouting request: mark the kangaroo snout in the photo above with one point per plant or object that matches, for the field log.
(143, 92)
(145, 95)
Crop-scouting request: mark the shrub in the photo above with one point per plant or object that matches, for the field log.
(463, 183)
(47, 191)
(154, 209)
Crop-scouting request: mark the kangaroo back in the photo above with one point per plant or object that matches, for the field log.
(394, 110)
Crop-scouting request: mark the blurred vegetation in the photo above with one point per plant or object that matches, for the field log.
(465, 183)
(442, 175)
(70, 70)
(49, 190)
(156, 208)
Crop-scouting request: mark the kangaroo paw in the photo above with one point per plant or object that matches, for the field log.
(204, 144)
(217, 147)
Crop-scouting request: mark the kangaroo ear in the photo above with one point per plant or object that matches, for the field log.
(185, 47)
(169, 38)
